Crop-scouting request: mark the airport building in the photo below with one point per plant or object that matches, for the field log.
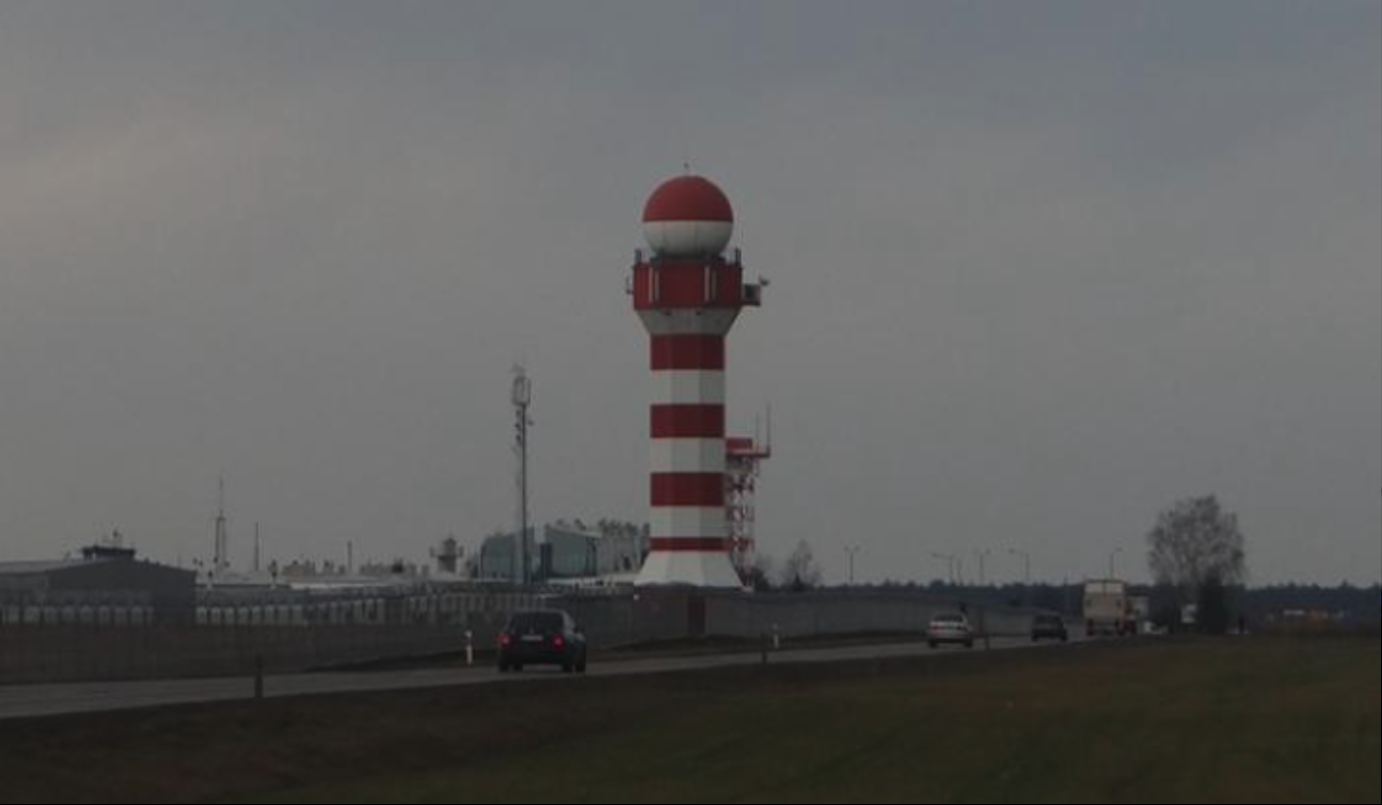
(108, 582)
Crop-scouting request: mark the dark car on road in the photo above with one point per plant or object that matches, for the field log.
(1049, 627)
(544, 637)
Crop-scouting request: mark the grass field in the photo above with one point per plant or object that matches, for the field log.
(1232, 721)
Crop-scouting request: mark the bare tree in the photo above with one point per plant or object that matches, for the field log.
(801, 572)
(1197, 549)
(759, 575)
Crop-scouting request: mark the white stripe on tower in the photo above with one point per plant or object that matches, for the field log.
(679, 386)
(688, 455)
(663, 234)
(694, 520)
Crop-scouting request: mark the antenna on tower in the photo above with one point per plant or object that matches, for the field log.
(763, 442)
(768, 442)
(221, 549)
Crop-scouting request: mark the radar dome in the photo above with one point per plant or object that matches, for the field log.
(688, 216)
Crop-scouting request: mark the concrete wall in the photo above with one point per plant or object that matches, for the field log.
(625, 619)
(69, 653)
(845, 613)
(294, 633)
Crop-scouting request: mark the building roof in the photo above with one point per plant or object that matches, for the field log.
(40, 568)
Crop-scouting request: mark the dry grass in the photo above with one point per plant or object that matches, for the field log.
(1231, 721)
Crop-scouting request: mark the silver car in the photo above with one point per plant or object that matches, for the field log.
(950, 629)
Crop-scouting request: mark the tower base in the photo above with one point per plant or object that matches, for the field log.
(689, 569)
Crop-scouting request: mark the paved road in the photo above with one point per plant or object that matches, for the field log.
(28, 701)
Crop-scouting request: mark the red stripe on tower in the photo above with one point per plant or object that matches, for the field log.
(688, 421)
(686, 352)
(700, 489)
(692, 545)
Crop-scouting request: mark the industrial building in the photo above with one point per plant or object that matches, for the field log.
(108, 581)
(499, 559)
(611, 552)
(568, 551)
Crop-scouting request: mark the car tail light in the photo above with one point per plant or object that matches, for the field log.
(505, 641)
(559, 642)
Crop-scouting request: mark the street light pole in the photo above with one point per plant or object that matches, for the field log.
(982, 554)
(852, 551)
(1026, 573)
(1027, 564)
(1113, 563)
(943, 557)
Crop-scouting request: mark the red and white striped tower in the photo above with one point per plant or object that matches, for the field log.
(688, 295)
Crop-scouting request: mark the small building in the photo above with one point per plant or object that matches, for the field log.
(569, 551)
(498, 558)
(609, 550)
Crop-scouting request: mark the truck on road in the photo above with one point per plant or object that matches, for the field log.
(1109, 610)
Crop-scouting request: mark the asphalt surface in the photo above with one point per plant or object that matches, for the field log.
(33, 701)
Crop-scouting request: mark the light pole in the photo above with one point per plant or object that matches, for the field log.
(1026, 573)
(944, 557)
(1113, 563)
(1027, 564)
(852, 551)
(982, 554)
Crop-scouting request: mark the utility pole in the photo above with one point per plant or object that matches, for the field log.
(982, 554)
(1027, 564)
(1026, 572)
(522, 401)
(852, 551)
(944, 557)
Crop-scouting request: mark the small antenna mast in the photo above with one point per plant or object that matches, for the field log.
(221, 561)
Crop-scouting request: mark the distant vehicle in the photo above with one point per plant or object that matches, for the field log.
(1141, 606)
(543, 637)
(951, 629)
(1049, 627)
(1108, 609)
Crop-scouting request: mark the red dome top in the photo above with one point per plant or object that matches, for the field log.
(688, 198)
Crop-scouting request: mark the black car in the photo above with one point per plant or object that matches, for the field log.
(545, 637)
(1049, 627)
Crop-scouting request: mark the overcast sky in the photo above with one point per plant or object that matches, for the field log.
(1039, 270)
